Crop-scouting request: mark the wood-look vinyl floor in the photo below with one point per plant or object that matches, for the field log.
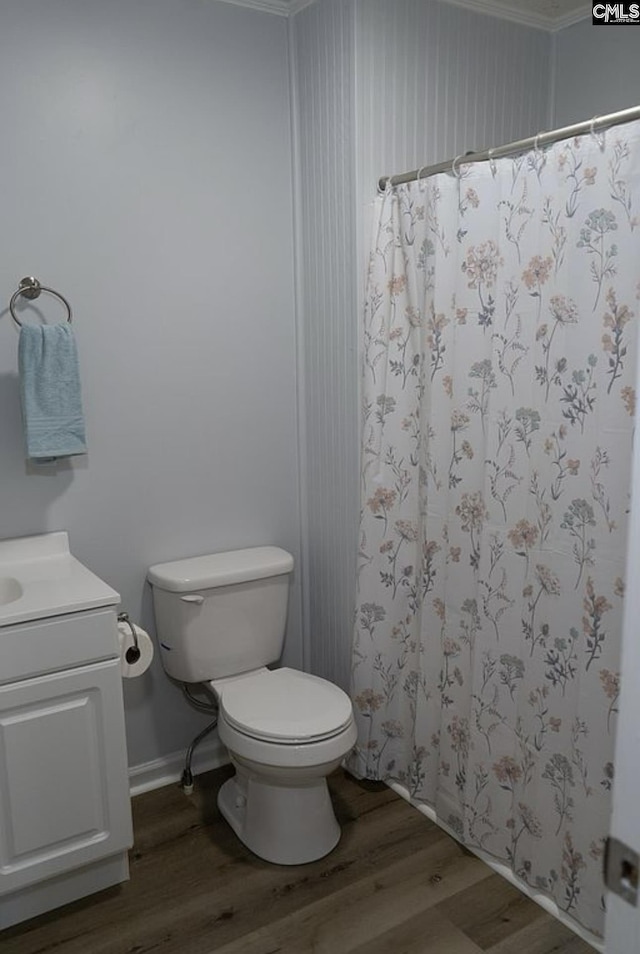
(396, 884)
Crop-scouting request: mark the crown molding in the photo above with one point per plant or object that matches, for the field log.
(493, 8)
(296, 5)
(560, 23)
(528, 18)
(280, 7)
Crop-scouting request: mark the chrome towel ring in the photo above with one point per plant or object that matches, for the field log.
(30, 288)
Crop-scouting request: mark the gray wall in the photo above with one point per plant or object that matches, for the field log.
(384, 86)
(597, 71)
(138, 136)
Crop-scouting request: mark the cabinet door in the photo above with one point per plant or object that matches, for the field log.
(64, 795)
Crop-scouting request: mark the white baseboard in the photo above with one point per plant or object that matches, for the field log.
(168, 769)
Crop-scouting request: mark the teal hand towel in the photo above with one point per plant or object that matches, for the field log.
(50, 391)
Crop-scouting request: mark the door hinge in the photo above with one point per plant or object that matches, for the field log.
(621, 869)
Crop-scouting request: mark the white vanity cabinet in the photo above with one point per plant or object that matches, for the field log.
(65, 817)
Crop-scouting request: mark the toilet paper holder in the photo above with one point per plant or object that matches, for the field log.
(132, 655)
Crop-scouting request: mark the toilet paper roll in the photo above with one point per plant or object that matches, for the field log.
(132, 665)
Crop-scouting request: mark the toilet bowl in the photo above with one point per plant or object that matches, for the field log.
(285, 732)
(220, 621)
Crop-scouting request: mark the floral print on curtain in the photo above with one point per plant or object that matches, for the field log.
(498, 401)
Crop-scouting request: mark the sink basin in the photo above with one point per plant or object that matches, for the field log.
(10, 590)
(39, 578)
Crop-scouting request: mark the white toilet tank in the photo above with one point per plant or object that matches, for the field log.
(221, 614)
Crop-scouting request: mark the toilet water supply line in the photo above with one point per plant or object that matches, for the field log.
(132, 655)
(186, 781)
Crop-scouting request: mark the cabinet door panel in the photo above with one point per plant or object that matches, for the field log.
(64, 798)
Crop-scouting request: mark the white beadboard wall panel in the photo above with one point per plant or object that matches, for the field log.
(382, 86)
(323, 38)
(434, 81)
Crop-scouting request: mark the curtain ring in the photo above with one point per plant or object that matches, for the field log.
(419, 178)
(598, 136)
(454, 168)
(492, 163)
(540, 158)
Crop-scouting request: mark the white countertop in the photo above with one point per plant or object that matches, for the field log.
(52, 581)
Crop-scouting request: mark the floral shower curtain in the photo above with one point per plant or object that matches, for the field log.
(498, 402)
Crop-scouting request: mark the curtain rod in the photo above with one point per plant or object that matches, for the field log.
(520, 145)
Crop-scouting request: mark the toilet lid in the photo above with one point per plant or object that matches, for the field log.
(286, 706)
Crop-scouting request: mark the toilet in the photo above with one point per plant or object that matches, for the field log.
(220, 620)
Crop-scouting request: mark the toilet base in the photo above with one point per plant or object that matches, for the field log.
(286, 825)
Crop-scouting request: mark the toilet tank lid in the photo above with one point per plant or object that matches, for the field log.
(220, 569)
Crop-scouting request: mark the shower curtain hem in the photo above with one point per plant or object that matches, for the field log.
(541, 899)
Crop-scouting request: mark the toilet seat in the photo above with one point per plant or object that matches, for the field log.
(285, 707)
